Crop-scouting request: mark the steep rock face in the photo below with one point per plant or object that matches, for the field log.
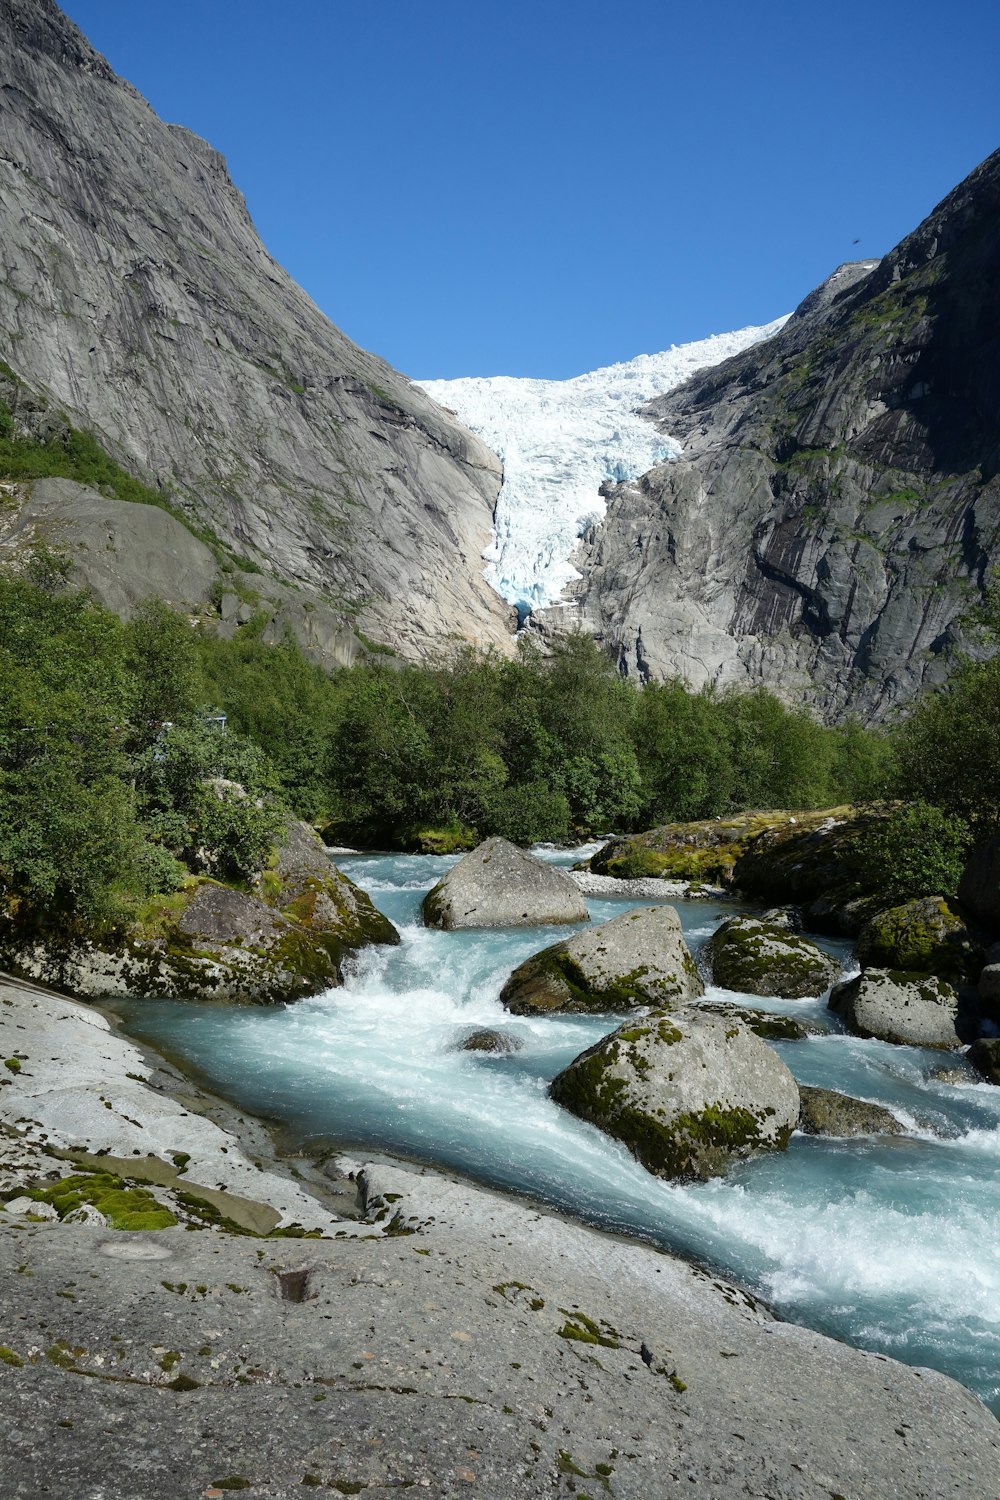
(136, 296)
(836, 507)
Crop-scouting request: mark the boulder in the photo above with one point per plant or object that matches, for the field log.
(924, 937)
(812, 859)
(688, 1093)
(487, 1040)
(789, 918)
(826, 1112)
(989, 983)
(915, 1010)
(207, 942)
(984, 1055)
(639, 958)
(704, 851)
(303, 883)
(979, 887)
(755, 957)
(499, 885)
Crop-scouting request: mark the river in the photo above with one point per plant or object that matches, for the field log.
(889, 1243)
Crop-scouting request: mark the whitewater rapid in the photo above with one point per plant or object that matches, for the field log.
(560, 440)
(887, 1242)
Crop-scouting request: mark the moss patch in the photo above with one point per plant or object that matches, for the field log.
(924, 936)
(124, 1205)
(756, 958)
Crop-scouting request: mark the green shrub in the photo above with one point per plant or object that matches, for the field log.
(919, 850)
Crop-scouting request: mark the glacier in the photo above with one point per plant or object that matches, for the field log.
(559, 441)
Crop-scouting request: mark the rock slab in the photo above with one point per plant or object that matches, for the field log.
(639, 958)
(828, 1112)
(499, 885)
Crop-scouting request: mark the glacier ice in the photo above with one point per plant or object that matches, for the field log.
(559, 441)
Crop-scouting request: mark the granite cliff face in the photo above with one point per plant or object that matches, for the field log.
(836, 508)
(136, 297)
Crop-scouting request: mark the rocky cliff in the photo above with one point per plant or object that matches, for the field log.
(136, 297)
(836, 508)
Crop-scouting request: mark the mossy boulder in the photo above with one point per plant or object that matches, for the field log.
(813, 860)
(926, 936)
(704, 851)
(206, 942)
(827, 1112)
(754, 957)
(910, 1009)
(451, 840)
(499, 885)
(639, 958)
(302, 882)
(687, 1093)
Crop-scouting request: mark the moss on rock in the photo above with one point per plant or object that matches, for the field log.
(704, 851)
(926, 936)
(637, 959)
(124, 1205)
(760, 958)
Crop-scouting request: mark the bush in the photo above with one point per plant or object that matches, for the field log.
(918, 850)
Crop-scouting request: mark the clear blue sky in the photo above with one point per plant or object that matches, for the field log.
(540, 187)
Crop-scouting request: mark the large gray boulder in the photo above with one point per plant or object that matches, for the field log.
(755, 957)
(688, 1093)
(916, 1010)
(639, 958)
(499, 885)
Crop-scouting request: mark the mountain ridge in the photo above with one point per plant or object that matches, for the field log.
(835, 511)
(136, 296)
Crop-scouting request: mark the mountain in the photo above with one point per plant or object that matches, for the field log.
(560, 441)
(836, 506)
(137, 301)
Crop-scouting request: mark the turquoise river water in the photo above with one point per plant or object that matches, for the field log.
(890, 1243)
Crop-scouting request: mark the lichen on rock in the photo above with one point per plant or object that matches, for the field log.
(910, 1009)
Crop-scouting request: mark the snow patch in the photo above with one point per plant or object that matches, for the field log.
(559, 441)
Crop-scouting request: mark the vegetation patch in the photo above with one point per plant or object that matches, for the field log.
(583, 1330)
(124, 1205)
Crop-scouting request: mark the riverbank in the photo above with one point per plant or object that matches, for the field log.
(461, 1342)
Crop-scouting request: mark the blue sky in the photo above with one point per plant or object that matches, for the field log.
(478, 187)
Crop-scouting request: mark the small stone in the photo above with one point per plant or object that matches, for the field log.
(486, 1040)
